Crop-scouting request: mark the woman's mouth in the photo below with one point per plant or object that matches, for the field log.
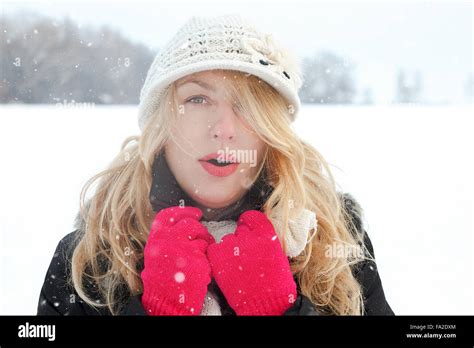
(217, 168)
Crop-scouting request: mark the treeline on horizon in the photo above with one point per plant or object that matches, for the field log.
(46, 60)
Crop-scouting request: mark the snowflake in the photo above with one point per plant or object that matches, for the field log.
(179, 277)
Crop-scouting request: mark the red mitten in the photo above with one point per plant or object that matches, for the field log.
(251, 268)
(176, 272)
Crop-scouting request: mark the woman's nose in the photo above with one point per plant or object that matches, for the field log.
(225, 127)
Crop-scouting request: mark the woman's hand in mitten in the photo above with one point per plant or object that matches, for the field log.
(251, 268)
(176, 272)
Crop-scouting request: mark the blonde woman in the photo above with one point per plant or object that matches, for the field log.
(217, 207)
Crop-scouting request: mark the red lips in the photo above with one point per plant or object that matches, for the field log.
(212, 164)
(221, 157)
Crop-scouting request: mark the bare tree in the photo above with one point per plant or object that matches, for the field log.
(409, 87)
(48, 61)
(327, 79)
(469, 88)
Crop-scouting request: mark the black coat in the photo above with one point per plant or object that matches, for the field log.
(58, 297)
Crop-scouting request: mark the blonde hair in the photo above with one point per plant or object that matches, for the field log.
(118, 216)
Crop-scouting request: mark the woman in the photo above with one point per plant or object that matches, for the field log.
(218, 207)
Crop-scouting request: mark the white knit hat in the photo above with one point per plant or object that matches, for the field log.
(222, 42)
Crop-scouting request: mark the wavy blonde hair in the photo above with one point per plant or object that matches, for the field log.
(118, 215)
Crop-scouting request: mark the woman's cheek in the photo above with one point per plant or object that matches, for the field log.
(192, 118)
(187, 123)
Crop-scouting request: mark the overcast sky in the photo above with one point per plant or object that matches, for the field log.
(434, 37)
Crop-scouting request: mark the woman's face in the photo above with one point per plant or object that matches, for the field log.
(209, 131)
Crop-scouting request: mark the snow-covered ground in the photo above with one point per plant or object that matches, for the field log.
(410, 168)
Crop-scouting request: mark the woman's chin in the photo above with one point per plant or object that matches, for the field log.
(214, 200)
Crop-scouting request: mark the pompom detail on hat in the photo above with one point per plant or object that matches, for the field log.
(267, 52)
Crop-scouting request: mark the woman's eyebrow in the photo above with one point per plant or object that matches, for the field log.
(199, 83)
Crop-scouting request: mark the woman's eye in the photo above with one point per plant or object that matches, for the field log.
(197, 100)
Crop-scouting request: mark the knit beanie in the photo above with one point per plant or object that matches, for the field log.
(220, 42)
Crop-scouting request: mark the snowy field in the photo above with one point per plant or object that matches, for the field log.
(410, 168)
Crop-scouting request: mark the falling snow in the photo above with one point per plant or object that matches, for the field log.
(179, 277)
(418, 117)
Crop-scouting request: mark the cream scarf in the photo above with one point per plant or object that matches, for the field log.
(296, 239)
